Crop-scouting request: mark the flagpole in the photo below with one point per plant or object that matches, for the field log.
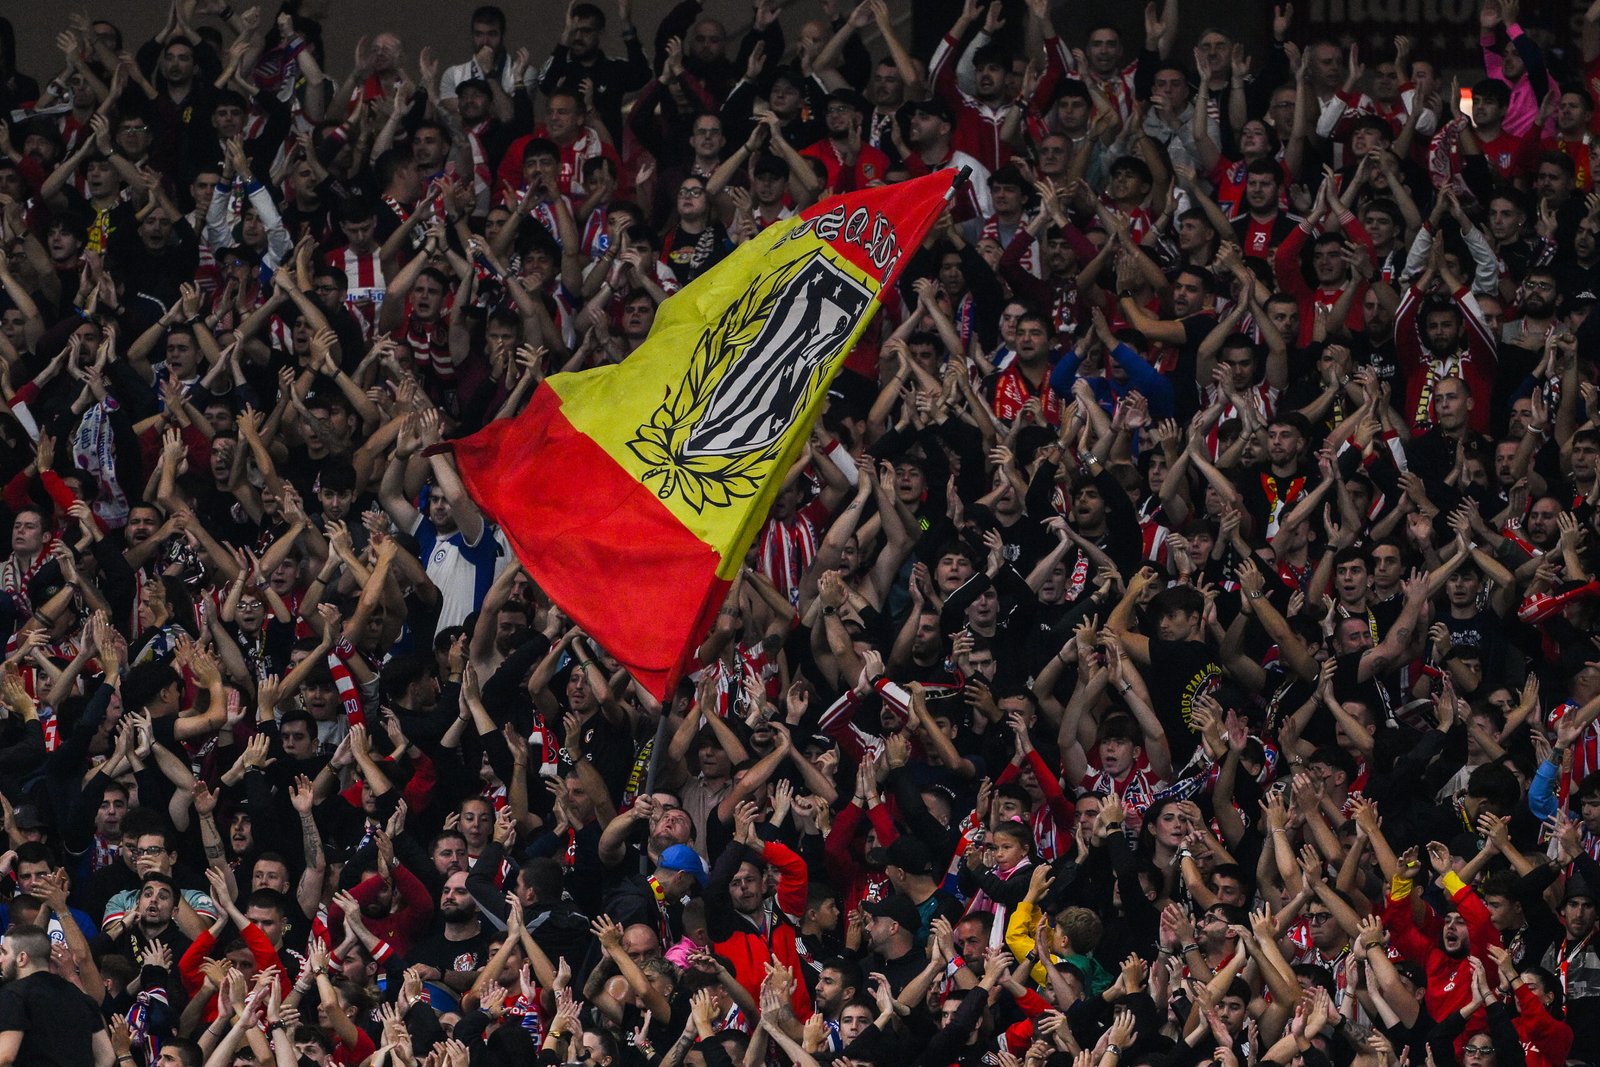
(963, 176)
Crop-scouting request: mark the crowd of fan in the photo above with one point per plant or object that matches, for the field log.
(1176, 647)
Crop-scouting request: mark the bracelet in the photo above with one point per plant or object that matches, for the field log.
(1127, 687)
(1190, 948)
(1114, 1050)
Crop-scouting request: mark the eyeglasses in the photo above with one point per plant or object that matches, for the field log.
(1317, 918)
(1477, 1050)
(148, 850)
(693, 192)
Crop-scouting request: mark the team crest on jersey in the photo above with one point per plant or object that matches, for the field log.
(753, 372)
(467, 961)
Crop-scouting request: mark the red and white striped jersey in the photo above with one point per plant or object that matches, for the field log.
(364, 284)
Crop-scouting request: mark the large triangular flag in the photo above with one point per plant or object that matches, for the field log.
(632, 492)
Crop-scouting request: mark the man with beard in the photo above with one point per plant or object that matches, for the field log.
(490, 64)
(1576, 958)
(1261, 224)
(1442, 338)
(44, 1018)
(149, 920)
(932, 126)
(1466, 930)
(393, 904)
(578, 58)
(837, 984)
(1522, 340)
(1266, 494)
(892, 926)
(458, 952)
(851, 163)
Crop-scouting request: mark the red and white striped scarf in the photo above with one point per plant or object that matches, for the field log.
(344, 681)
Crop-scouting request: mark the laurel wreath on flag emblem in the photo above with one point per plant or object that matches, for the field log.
(701, 478)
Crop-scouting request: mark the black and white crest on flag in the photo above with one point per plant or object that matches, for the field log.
(762, 394)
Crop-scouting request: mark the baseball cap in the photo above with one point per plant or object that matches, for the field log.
(683, 858)
(898, 907)
(935, 107)
(910, 855)
(27, 817)
(850, 98)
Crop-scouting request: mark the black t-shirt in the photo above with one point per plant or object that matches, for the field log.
(445, 955)
(57, 1021)
(1484, 631)
(1179, 672)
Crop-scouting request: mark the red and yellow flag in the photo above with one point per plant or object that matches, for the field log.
(632, 492)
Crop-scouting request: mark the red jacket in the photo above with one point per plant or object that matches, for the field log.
(1449, 977)
(1549, 1036)
(265, 956)
(843, 848)
(402, 928)
(1286, 264)
(746, 946)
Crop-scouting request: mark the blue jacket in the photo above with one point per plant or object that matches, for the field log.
(1141, 376)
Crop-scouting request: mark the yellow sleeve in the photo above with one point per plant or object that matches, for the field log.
(1020, 926)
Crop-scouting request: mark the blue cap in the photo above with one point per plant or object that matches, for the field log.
(683, 858)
